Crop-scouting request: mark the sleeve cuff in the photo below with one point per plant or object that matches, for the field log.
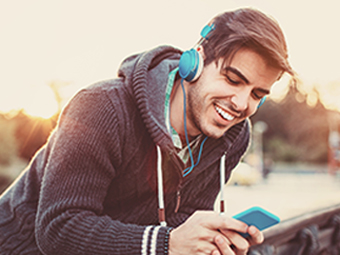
(155, 240)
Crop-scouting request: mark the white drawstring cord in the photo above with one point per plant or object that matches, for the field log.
(222, 183)
(161, 210)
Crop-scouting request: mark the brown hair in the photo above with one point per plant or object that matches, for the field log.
(247, 28)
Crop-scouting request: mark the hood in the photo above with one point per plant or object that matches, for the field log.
(148, 75)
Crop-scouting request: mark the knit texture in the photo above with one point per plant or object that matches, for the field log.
(92, 189)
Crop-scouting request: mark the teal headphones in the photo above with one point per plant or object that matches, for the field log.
(191, 62)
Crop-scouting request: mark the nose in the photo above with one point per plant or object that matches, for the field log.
(240, 100)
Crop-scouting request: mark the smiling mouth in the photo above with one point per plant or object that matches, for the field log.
(224, 114)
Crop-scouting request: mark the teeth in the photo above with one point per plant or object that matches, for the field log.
(224, 114)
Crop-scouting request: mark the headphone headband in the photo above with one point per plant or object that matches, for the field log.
(206, 30)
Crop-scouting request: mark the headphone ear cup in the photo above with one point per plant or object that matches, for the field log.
(200, 67)
(190, 65)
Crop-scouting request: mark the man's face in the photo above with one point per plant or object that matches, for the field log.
(225, 95)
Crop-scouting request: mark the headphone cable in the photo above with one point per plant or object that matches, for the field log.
(189, 169)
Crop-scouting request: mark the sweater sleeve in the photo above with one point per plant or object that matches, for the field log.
(81, 165)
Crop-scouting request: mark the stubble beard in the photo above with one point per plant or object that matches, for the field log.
(194, 109)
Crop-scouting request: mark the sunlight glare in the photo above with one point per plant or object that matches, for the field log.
(329, 95)
(41, 103)
(280, 88)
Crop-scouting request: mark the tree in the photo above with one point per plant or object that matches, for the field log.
(296, 130)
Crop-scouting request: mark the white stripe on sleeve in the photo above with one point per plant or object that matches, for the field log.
(154, 240)
(145, 240)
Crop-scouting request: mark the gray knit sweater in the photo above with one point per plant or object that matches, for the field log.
(92, 188)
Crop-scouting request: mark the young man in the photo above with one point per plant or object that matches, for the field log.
(147, 146)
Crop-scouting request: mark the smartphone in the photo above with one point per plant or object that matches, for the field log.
(258, 217)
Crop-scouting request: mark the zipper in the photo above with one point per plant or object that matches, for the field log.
(179, 168)
(222, 183)
(222, 179)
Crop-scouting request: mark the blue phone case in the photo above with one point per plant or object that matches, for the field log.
(258, 217)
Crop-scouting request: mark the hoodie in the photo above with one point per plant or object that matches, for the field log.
(92, 188)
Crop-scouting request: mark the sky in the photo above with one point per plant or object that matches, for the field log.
(75, 43)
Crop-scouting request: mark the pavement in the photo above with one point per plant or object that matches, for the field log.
(285, 193)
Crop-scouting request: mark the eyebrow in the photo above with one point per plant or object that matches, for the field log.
(241, 76)
(238, 73)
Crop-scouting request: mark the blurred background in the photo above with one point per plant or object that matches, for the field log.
(51, 49)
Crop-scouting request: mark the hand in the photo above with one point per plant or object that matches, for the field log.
(206, 232)
(240, 245)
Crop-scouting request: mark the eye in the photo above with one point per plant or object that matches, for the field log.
(233, 82)
(258, 94)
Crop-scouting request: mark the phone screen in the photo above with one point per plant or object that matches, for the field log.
(258, 217)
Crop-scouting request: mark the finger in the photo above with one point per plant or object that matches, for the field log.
(193, 239)
(215, 252)
(223, 245)
(210, 235)
(240, 244)
(236, 225)
(206, 248)
(216, 221)
(256, 236)
(208, 245)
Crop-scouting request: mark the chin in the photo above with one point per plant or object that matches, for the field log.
(216, 133)
(214, 129)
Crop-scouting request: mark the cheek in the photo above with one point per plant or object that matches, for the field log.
(252, 109)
